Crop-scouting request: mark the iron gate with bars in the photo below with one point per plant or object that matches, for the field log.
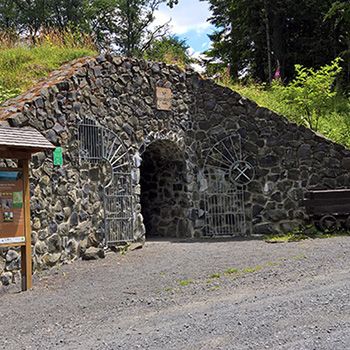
(100, 145)
(226, 175)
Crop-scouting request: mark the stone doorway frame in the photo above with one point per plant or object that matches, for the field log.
(178, 141)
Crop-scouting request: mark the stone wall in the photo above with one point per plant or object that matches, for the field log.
(119, 93)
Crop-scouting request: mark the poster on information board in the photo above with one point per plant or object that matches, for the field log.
(11, 207)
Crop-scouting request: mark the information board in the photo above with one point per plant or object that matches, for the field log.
(12, 229)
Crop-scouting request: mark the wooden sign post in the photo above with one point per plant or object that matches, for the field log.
(15, 220)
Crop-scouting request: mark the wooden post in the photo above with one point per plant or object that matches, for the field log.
(26, 250)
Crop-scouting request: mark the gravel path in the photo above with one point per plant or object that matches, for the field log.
(189, 295)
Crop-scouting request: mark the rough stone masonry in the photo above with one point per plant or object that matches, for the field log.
(213, 164)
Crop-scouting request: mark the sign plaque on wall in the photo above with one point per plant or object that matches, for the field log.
(164, 98)
(58, 156)
(11, 207)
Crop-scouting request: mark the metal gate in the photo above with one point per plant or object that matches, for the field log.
(226, 175)
(101, 145)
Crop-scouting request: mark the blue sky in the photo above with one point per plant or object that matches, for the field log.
(188, 21)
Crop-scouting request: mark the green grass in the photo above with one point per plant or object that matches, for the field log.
(215, 275)
(252, 269)
(231, 271)
(296, 237)
(21, 66)
(335, 124)
(184, 283)
(284, 238)
(299, 257)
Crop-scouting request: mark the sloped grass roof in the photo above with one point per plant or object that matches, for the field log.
(22, 66)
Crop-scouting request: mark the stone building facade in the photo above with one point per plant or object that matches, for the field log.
(209, 163)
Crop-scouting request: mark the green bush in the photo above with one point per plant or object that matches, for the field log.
(313, 103)
(310, 95)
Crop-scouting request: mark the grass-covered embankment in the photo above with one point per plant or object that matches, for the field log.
(334, 123)
(22, 64)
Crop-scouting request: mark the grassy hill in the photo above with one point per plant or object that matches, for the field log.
(22, 64)
(335, 124)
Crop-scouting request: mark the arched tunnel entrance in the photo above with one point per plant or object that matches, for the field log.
(164, 193)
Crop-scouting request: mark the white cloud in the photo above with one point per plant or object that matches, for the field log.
(188, 15)
(198, 67)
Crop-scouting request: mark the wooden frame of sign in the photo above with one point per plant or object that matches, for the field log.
(15, 230)
(15, 220)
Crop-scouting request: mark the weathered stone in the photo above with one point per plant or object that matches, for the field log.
(93, 253)
(257, 209)
(264, 229)
(268, 161)
(18, 119)
(36, 224)
(40, 248)
(51, 259)
(304, 151)
(6, 278)
(276, 215)
(52, 136)
(11, 255)
(13, 265)
(54, 243)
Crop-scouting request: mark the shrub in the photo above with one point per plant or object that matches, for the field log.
(311, 93)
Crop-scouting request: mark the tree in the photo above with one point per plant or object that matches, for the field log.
(252, 35)
(121, 25)
(169, 49)
(130, 30)
(339, 15)
(8, 16)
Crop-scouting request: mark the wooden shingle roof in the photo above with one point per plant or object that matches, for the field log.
(27, 139)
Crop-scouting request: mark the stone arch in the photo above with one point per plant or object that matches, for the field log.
(165, 200)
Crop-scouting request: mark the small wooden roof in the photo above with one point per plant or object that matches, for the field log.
(27, 140)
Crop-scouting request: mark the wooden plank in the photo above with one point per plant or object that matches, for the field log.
(329, 194)
(27, 249)
(14, 154)
(330, 202)
(12, 245)
(333, 210)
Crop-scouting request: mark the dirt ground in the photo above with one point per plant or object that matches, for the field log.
(189, 295)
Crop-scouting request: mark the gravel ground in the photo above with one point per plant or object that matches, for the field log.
(176, 295)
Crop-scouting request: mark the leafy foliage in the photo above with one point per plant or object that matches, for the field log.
(171, 50)
(252, 35)
(311, 92)
(120, 25)
(339, 15)
(310, 99)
